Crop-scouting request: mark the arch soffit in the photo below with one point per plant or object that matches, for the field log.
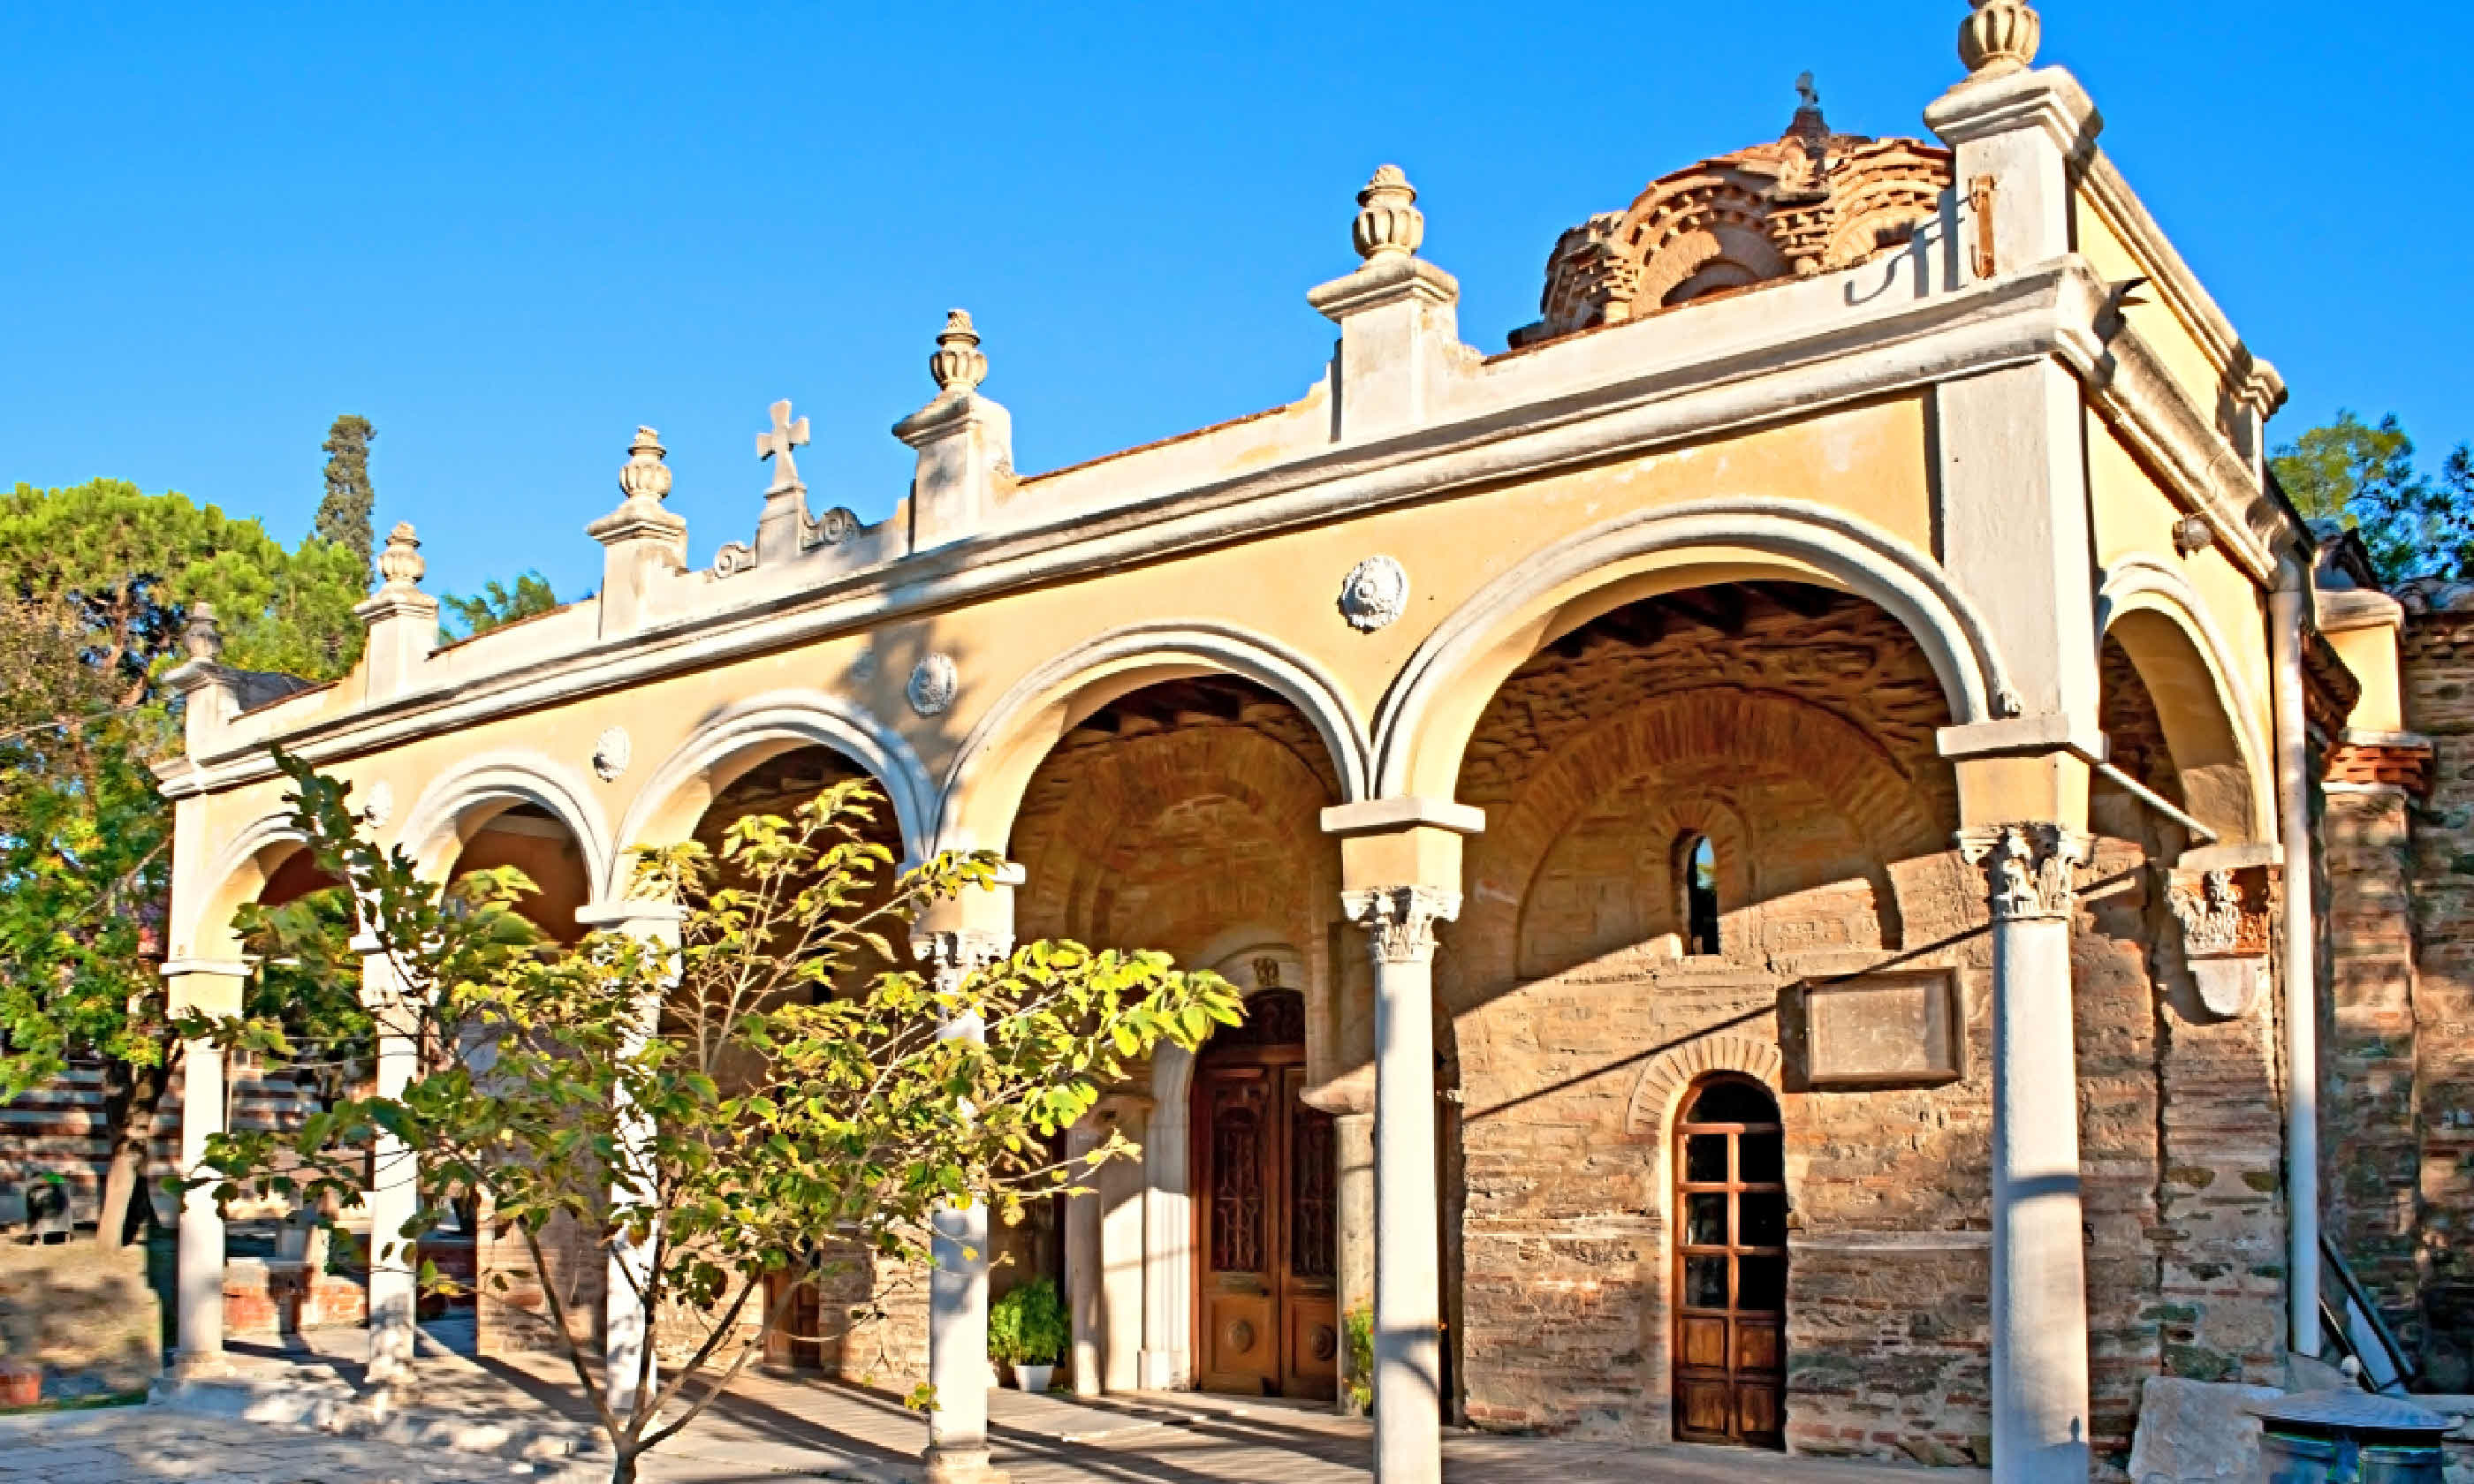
(2145, 585)
(779, 720)
(238, 873)
(504, 778)
(984, 788)
(1417, 752)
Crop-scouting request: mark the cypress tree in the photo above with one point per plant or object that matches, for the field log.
(344, 514)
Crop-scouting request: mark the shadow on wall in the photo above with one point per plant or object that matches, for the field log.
(87, 1316)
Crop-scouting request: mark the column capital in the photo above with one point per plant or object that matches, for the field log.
(220, 968)
(642, 916)
(1399, 920)
(952, 955)
(2031, 868)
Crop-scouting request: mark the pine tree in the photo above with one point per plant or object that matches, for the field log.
(344, 514)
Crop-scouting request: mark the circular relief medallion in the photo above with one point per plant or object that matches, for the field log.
(611, 752)
(932, 683)
(1375, 593)
(1323, 1342)
(1240, 1337)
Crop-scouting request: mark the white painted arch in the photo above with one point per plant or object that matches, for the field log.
(675, 795)
(238, 873)
(1426, 717)
(437, 824)
(985, 784)
(2190, 669)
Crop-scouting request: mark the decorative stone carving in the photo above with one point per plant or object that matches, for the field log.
(2227, 917)
(934, 681)
(2030, 869)
(834, 527)
(776, 442)
(2193, 534)
(1388, 218)
(1375, 593)
(1399, 920)
(612, 752)
(377, 805)
(957, 362)
(949, 957)
(400, 564)
(1998, 36)
(201, 639)
(733, 558)
(644, 479)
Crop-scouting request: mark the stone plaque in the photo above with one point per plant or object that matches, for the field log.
(1872, 1030)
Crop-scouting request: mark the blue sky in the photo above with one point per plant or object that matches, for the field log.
(509, 233)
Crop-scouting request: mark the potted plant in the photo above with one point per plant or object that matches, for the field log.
(21, 1382)
(1028, 1329)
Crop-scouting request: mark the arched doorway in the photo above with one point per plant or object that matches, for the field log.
(1730, 1161)
(1265, 1170)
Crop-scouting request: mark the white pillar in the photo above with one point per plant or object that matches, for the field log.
(2040, 1352)
(1123, 1198)
(958, 1282)
(1084, 1277)
(212, 987)
(1408, 1288)
(394, 1196)
(2288, 611)
(626, 1333)
(1168, 1246)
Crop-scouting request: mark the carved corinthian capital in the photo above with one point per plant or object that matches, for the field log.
(2030, 868)
(1399, 920)
(951, 957)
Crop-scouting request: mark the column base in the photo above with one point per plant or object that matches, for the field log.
(963, 1466)
(193, 1365)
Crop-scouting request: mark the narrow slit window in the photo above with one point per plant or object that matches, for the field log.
(1700, 896)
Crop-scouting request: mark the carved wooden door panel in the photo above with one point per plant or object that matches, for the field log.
(1729, 1352)
(1239, 1315)
(1266, 1212)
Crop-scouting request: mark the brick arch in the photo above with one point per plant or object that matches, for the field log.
(1874, 794)
(1658, 1093)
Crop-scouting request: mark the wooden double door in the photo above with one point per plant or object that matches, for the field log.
(1266, 1214)
(1730, 1357)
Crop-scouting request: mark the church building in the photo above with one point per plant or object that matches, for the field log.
(1767, 825)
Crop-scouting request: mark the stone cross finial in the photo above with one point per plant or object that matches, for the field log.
(644, 476)
(201, 639)
(956, 363)
(1807, 95)
(1998, 36)
(400, 564)
(1388, 218)
(776, 445)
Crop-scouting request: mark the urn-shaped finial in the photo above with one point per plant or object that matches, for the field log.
(1388, 218)
(1997, 37)
(644, 476)
(400, 564)
(958, 363)
(201, 639)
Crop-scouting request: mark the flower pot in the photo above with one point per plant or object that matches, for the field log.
(20, 1384)
(1030, 1378)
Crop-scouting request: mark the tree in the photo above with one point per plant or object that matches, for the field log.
(756, 1108)
(495, 605)
(2366, 477)
(95, 585)
(344, 514)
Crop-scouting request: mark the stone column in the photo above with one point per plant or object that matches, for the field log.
(1400, 922)
(394, 1195)
(211, 986)
(958, 1282)
(1168, 1247)
(1354, 1133)
(1084, 1275)
(1124, 1198)
(2040, 1351)
(626, 1331)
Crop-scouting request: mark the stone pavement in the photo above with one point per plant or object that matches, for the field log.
(776, 1427)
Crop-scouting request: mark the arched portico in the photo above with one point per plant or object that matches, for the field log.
(1425, 722)
(746, 735)
(984, 788)
(464, 799)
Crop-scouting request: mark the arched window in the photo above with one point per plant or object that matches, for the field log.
(1697, 863)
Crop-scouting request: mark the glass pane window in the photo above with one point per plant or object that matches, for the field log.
(1705, 1281)
(1761, 1220)
(1705, 1156)
(1732, 1102)
(1704, 1220)
(1763, 1283)
(1764, 1158)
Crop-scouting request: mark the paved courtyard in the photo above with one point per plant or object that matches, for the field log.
(772, 1428)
